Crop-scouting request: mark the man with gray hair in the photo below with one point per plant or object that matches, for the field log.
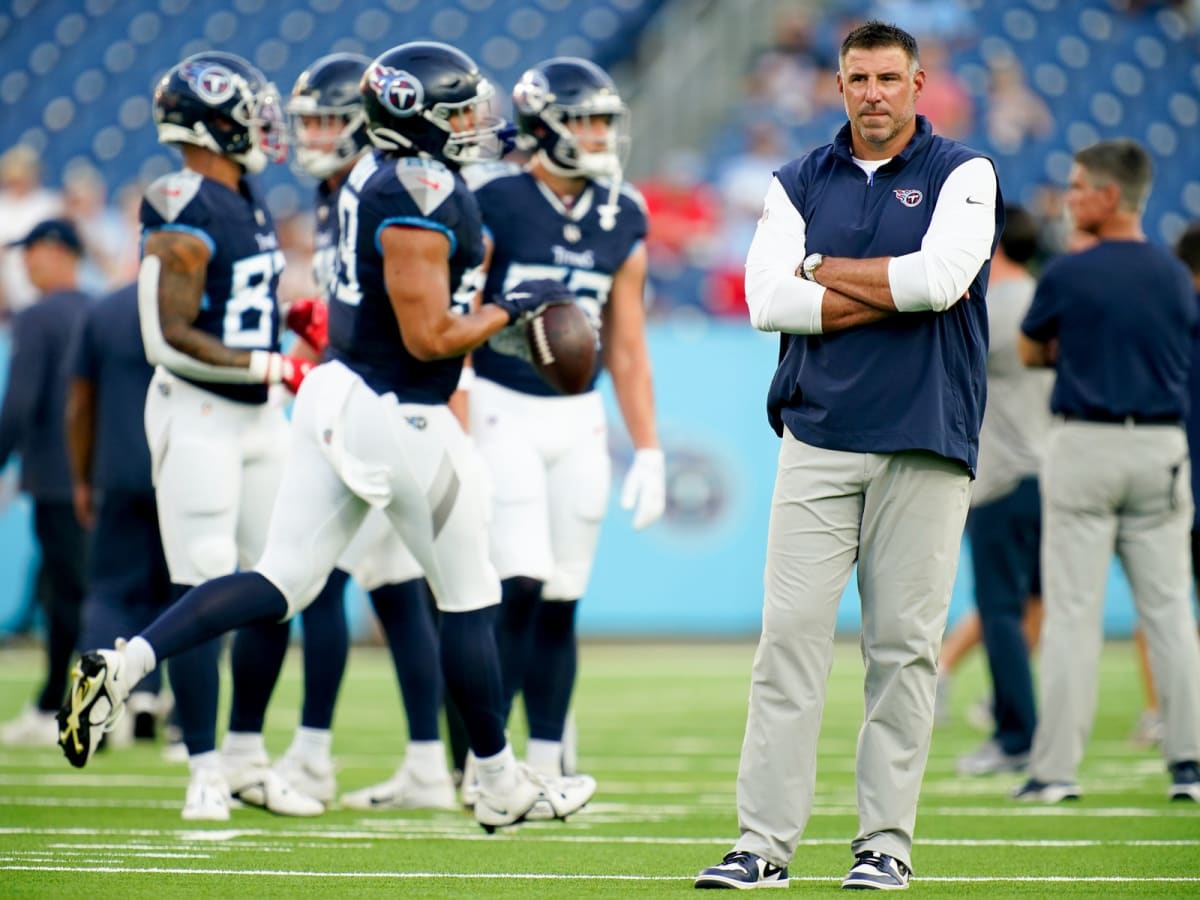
(1116, 322)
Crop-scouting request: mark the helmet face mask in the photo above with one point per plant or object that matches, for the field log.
(430, 99)
(326, 122)
(220, 102)
(569, 110)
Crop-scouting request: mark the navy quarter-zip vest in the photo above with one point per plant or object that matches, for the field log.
(914, 381)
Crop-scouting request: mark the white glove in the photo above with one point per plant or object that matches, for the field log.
(645, 488)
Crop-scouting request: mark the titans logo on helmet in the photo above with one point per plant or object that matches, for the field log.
(214, 84)
(399, 92)
(531, 93)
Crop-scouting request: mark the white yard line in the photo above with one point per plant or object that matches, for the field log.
(530, 833)
(542, 876)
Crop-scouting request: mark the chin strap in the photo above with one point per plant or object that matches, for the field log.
(608, 211)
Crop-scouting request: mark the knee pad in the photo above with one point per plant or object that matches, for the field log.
(213, 556)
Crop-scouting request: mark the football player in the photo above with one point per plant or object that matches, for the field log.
(328, 131)
(372, 429)
(566, 216)
(210, 324)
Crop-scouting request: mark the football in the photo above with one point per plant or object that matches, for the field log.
(562, 347)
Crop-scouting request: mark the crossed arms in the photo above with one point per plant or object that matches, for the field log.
(853, 292)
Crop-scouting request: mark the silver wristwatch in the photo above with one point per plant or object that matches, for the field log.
(809, 267)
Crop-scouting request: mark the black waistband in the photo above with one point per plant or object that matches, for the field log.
(1113, 419)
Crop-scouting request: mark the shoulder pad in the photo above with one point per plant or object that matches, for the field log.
(427, 181)
(479, 174)
(171, 193)
(627, 190)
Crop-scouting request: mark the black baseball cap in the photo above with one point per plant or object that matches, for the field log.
(59, 230)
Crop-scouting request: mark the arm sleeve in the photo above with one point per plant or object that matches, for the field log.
(26, 376)
(956, 245)
(778, 300)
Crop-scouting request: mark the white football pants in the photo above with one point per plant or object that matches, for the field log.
(216, 466)
(353, 450)
(550, 473)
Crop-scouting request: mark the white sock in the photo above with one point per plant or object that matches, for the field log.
(210, 759)
(498, 774)
(244, 744)
(544, 757)
(426, 757)
(139, 655)
(312, 743)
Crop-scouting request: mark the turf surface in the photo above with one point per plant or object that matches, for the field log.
(660, 728)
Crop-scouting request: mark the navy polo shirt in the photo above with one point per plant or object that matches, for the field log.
(1124, 315)
(108, 353)
(31, 421)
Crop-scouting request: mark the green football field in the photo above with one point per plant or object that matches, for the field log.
(660, 727)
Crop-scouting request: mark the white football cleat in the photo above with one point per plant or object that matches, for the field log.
(207, 797)
(93, 705)
(32, 728)
(407, 789)
(310, 777)
(533, 797)
(254, 782)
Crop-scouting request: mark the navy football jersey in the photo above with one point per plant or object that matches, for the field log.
(325, 240)
(382, 191)
(239, 306)
(535, 235)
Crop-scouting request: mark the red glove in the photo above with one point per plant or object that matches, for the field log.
(292, 371)
(309, 319)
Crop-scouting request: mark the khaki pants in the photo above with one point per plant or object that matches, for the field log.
(1128, 489)
(901, 517)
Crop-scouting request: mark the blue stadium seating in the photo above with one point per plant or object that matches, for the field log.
(1103, 72)
(77, 74)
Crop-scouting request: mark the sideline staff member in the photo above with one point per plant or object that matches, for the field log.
(1116, 321)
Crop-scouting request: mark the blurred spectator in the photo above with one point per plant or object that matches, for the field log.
(945, 20)
(1014, 113)
(684, 212)
(105, 233)
(784, 78)
(743, 183)
(23, 203)
(945, 100)
(129, 207)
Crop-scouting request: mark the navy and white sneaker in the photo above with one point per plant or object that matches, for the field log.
(1185, 781)
(1046, 791)
(877, 872)
(742, 870)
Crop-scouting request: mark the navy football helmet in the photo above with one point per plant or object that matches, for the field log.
(326, 121)
(221, 102)
(430, 100)
(556, 103)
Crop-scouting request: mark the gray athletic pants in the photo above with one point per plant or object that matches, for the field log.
(901, 517)
(1128, 488)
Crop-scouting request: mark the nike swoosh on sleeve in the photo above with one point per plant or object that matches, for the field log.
(976, 202)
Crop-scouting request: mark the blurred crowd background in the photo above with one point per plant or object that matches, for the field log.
(722, 92)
